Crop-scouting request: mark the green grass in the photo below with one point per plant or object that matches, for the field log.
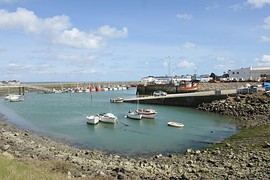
(255, 132)
(12, 169)
(257, 135)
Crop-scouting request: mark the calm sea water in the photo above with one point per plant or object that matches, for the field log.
(63, 116)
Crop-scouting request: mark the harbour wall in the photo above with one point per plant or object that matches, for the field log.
(187, 101)
(12, 90)
(172, 89)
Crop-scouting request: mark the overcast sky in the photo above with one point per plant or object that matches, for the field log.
(121, 40)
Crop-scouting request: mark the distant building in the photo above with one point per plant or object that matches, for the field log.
(250, 73)
(164, 79)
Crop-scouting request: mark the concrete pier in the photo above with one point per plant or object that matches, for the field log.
(184, 99)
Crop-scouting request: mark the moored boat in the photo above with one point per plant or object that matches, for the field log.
(92, 119)
(14, 98)
(117, 100)
(107, 118)
(134, 115)
(175, 124)
(98, 88)
(147, 113)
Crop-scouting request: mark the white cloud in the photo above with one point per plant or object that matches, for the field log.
(219, 66)
(27, 21)
(78, 39)
(212, 7)
(258, 3)
(265, 39)
(71, 57)
(6, 1)
(2, 49)
(264, 60)
(266, 23)
(58, 29)
(189, 45)
(237, 7)
(184, 16)
(186, 64)
(222, 58)
(18, 66)
(112, 32)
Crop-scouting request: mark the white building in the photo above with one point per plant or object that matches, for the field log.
(165, 79)
(250, 73)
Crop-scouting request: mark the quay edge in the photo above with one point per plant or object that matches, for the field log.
(187, 101)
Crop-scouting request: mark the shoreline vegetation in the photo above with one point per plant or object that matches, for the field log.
(246, 155)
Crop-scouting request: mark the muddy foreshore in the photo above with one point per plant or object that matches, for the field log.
(247, 158)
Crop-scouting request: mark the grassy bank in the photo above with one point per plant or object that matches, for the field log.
(253, 137)
(12, 169)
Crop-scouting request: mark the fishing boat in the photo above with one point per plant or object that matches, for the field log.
(134, 115)
(147, 113)
(175, 124)
(188, 86)
(107, 118)
(92, 89)
(92, 119)
(98, 88)
(117, 100)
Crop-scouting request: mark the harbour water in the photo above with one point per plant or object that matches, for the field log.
(63, 116)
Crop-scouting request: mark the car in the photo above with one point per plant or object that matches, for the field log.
(159, 93)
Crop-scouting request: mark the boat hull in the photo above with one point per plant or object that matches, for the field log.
(135, 116)
(175, 124)
(117, 100)
(147, 113)
(92, 120)
(14, 98)
(108, 118)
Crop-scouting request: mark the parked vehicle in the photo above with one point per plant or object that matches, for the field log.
(159, 93)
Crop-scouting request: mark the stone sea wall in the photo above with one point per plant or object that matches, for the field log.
(250, 109)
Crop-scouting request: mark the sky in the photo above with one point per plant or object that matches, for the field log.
(120, 40)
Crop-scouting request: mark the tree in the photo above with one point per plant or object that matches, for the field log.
(212, 75)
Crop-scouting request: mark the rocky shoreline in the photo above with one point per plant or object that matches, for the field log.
(247, 158)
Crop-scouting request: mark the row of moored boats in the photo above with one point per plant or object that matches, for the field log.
(137, 115)
(111, 118)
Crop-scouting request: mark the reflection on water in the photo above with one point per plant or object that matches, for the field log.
(64, 116)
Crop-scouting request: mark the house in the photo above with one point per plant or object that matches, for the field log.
(250, 73)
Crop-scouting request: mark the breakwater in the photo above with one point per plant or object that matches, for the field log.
(186, 101)
(172, 89)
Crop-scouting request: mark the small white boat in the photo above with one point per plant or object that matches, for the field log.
(107, 118)
(14, 98)
(134, 115)
(147, 113)
(175, 124)
(117, 100)
(92, 119)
